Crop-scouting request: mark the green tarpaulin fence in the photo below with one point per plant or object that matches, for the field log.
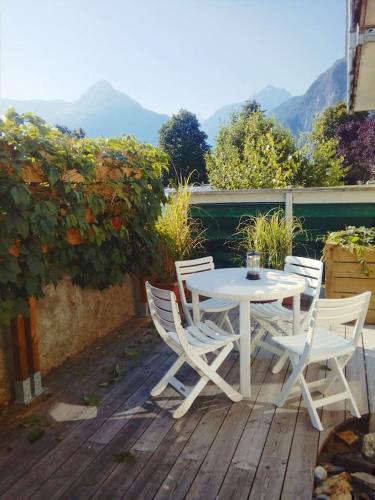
(221, 219)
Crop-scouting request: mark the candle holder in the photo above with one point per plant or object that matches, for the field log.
(253, 265)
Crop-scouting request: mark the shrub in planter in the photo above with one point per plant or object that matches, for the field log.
(270, 234)
(350, 264)
(179, 237)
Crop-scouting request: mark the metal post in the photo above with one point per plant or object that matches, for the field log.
(289, 214)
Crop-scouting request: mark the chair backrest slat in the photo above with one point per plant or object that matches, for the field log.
(185, 269)
(335, 312)
(166, 316)
(162, 303)
(312, 271)
(341, 311)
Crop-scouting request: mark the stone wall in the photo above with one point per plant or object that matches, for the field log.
(70, 319)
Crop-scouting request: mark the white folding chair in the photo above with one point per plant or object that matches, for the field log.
(186, 268)
(191, 344)
(320, 344)
(275, 319)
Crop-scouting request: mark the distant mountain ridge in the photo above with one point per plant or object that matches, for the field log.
(329, 88)
(101, 110)
(268, 98)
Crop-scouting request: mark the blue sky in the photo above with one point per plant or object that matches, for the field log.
(168, 54)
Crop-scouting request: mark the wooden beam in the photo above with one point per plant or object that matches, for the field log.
(32, 336)
(20, 354)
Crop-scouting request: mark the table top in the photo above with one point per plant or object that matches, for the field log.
(231, 283)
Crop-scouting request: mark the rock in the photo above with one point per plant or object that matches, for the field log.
(364, 477)
(368, 447)
(349, 437)
(336, 487)
(320, 474)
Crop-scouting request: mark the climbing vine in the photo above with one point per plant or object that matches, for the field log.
(82, 207)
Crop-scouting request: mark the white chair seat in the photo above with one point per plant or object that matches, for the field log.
(204, 337)
(325, 344)
(214, 305)
(273, 311)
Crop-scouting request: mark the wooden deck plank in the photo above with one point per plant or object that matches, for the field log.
(52, 461)
(103, 465)
(116, 485)
(299, 475)
(333, 414)
(155, 471)
(85, 373)
(63, 381)
(133, 409)
(212, 472)
(245, 461)
(356, 376)
(185, 468)
(271, 469)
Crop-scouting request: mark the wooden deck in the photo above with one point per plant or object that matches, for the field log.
(218, 450)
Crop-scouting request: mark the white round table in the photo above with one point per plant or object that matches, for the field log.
(232, 284)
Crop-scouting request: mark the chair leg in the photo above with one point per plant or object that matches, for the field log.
(231, 329)
(160, 386)
(221, 319)
(331, 379)
(310, 404)
(229, 324)
(298, 368)
(341, 377)
(209, 373)
(278, 366)
(259, 334)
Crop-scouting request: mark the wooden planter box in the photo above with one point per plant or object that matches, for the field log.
(344, 276)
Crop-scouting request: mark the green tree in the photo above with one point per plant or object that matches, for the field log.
(323, 162)
(186, 146)
(321, 165)
(326, 124)
(252, 151)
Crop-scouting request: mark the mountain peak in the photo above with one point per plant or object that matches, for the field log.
(100, 89)
(100, 86)
(269, 97)
(103, 95)
(271, 88)
(100, 111)
(298, 113)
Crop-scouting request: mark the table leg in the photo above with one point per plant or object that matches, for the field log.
(196, 310)
(296, 314)
(245, 349)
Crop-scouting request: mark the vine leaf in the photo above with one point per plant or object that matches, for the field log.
(35, 435)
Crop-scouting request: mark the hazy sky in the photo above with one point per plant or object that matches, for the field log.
(167, 54)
